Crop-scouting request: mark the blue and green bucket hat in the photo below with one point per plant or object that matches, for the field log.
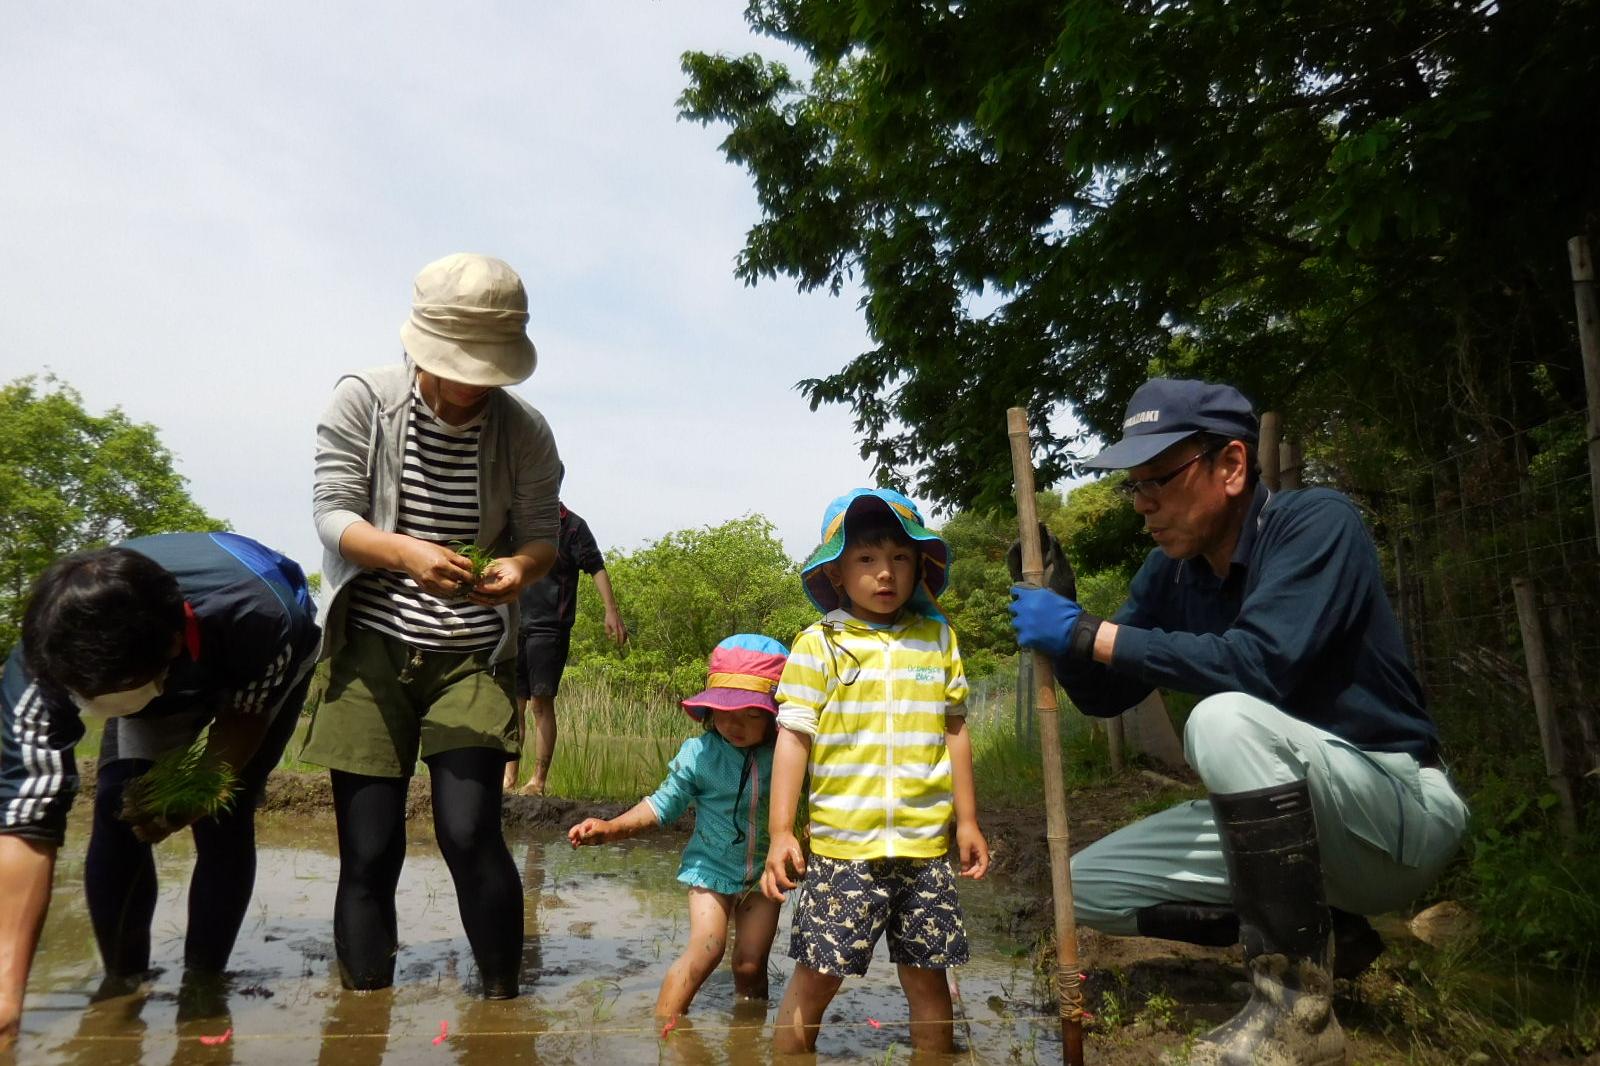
(935, 553)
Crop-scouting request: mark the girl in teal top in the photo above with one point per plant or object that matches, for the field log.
(725, 774)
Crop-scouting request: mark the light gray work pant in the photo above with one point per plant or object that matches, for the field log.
(1386, 827)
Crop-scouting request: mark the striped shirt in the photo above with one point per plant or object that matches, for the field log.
(439, 503)
(874, 699)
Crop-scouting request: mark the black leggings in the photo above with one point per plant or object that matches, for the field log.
(372, 848)
(120, 871)
(119, 879)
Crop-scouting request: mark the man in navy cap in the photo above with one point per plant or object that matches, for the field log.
(1326, 788)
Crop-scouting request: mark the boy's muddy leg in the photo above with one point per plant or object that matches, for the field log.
(466, 821)
(932, 1014)
(799, 1019)
(708, 938)
(119, 876)
(370, 813)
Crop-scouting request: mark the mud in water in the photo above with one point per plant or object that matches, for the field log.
(602, 925)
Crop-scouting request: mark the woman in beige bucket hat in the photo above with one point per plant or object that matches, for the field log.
(414, 459)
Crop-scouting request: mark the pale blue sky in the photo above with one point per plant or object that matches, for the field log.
(212, 210)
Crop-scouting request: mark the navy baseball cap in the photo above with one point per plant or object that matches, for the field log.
(1164, 411)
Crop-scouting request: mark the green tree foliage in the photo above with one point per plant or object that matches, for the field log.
(682, 594)
(1354, 210)
(1101, 535)
(71, 480)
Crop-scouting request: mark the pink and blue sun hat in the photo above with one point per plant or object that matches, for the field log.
(935, 553)
(743, 673)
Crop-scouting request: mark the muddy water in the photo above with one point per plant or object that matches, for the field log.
(602, 924)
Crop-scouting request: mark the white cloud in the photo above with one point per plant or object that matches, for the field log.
(213, 210)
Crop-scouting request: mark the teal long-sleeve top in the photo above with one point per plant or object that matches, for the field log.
(729, 844)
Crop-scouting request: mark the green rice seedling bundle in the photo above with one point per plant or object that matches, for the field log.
(182, 785)
(480, 558)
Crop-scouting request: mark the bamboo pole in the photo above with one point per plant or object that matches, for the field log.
(1544, 708)
(1069, 981)
(1589, 344)
(1267, 450)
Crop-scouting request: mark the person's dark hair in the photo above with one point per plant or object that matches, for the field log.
(1215, 442)
(101, 621)
(876, 527)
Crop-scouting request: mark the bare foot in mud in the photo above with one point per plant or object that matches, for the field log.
(533, 788)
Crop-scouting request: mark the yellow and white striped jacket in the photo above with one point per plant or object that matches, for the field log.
(874, 699)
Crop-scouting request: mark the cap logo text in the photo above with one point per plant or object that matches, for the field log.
(1140, 418)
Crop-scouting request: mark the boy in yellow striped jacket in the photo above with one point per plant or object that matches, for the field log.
(872, 703)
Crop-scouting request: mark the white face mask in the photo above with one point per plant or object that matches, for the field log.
(120, 704)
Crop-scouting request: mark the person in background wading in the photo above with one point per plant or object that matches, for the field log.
(414, 458)
(1323, 766)
(549, 607)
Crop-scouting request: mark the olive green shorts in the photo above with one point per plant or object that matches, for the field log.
(377, 714)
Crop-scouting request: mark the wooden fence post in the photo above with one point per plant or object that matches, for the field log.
(1544, 708)
(1589, 344)
(1289, 463)
(1267, 450)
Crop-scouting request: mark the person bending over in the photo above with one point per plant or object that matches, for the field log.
(162, 637)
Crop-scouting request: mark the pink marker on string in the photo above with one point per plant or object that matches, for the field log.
(875, 1023)
(444, 1034)
(670, 1026)
(219, 1039)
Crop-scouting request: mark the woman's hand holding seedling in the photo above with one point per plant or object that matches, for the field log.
(436, 568)
(501, 582)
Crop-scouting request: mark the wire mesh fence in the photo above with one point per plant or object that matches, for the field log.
(1458, 537)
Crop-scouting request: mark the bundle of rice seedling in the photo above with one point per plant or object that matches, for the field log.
(480, 558)
(183, 785)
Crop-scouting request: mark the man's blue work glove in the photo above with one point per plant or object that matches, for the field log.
(1051, 623)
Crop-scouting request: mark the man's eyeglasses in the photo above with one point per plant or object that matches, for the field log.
(1150, 487)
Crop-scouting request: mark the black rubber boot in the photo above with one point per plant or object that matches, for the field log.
(1356, 945)
(1208, 924)
(1269, 839)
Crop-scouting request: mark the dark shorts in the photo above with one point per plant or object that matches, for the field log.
(846, 905)
(541, 657)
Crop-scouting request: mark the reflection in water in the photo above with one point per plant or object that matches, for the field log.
(356, 1028)
(601, 927)
(532, 933)
(111, 1028)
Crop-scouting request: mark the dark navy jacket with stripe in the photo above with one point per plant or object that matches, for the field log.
(254, 627)
(1301, 621)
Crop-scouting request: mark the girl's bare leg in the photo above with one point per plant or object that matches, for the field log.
(708, 937)
(800, 1014)
(932, 1015)
(755, 923)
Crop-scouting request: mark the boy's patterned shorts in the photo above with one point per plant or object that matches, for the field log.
(846, 905)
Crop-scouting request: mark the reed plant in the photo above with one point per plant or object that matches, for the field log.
(615, 740)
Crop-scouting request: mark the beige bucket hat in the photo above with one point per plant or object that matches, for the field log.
(469, 321)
